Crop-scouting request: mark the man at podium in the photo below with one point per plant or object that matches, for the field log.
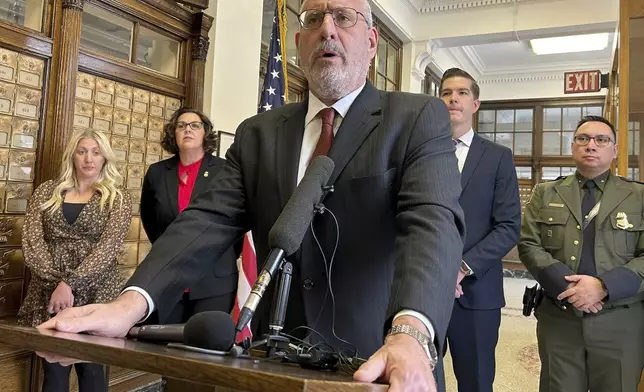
(400, 226)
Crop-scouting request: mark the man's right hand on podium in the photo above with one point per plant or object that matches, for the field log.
(112, 320)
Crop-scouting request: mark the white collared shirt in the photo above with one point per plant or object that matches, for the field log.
(313, 125)
(463, 147)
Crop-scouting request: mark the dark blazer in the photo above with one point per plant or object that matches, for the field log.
(396, 202)
(490, 200)
(160, 207)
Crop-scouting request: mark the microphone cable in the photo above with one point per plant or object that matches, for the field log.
(349, 362)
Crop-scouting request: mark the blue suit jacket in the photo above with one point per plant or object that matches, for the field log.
(490, 200)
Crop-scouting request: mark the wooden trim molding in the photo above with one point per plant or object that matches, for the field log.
(64, 90)
(200, 47)
(23, 39)
(200, 4)
(74, 4)
(111, 68)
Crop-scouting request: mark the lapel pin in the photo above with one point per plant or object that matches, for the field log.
(205, 174)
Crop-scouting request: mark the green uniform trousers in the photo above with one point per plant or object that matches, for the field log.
(597, 353)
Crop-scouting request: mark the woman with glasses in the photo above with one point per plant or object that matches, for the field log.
(169, 187)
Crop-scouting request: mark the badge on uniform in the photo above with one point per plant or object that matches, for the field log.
(621, 221)
(559, 205)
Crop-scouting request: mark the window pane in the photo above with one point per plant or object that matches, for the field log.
(486, 121)
(391, 86)
(571, 117)
(488, 136)
(550, 173)
(523, 144)
(267, 20)
(566, 171)
(593, 111)
(106, 33)
(524, 173)
(552, 119)
(566, 140)
(636, 143)
(392, 63)
(636, 174)
(523, 120)
(631, 144)
(26, 13)
(158, 52)
(505, 139)
(293, 27)
(382, 56)
(504, 120)
(551, 143)
(380, 82)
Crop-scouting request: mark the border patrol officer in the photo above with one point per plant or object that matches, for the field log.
(582, 238)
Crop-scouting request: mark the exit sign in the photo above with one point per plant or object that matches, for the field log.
(582, 82)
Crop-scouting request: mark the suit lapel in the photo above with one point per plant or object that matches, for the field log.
(477, 148)
(361, 119)
(172, 184)
(569, 191)
(201, 180)
(614, 193)
(288, 147)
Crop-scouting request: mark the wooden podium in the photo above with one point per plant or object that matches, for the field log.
(185, 371)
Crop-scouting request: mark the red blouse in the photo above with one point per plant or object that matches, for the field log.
(187, 178)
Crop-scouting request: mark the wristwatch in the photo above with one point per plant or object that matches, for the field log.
(423, 339)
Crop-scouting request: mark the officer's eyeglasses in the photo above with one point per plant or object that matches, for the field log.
(600, 140)
(195, 125)
(344, 17)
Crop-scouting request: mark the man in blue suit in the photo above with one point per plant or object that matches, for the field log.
(490, 200)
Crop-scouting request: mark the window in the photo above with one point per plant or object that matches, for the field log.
(110, 34)
(26, 13)
(106, 33)
(524, 172)
(634, 138)
(158, 52)
(552, 173)
(292, 24)
(634, 173)
(559, 124)
(508, 127)
(386, 67)
(431, 83)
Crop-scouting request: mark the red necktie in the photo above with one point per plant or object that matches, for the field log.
(326, 136)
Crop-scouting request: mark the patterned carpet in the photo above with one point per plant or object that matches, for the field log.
(517, 357)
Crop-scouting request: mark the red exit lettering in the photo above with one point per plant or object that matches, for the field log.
(582, 82)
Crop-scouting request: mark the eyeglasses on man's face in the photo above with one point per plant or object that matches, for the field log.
(344, 17)
(600, 140)
(195, 125)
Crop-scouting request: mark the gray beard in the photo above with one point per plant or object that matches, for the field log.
(333, 83)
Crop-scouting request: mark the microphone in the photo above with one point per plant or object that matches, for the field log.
(286, 235)
(157, 333)
(207, 330)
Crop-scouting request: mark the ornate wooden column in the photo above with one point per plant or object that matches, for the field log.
(62, 88)
(200, 44)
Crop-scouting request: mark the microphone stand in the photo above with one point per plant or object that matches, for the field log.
(276, 343)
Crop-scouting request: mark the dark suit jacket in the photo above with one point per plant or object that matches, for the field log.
(490, 200)
(160, 207)
(396, 201)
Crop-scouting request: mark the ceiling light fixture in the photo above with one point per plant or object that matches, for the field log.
(570, 44)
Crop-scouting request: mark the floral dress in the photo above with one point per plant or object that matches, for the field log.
(84, 254)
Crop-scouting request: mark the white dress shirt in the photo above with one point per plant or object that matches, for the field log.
(312, 131)
(463, 147)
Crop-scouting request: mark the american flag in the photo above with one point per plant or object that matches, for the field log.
(274, 95)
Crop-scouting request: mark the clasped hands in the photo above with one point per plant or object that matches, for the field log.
(61, 299)
(585, 293)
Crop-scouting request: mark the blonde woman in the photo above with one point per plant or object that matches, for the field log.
(72, 238)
